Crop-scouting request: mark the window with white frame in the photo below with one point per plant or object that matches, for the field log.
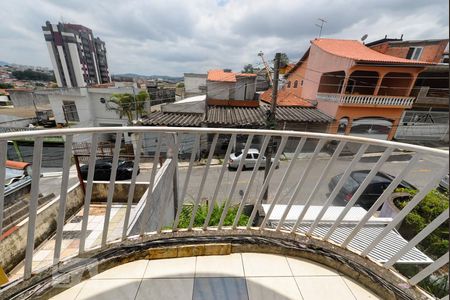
(414, 53)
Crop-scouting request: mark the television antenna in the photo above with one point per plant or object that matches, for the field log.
(322, 21)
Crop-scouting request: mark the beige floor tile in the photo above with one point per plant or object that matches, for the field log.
(232, 288)
(107, 289)
(164, 288)
(268, 288)
(171, 268)
(133, 270)
(323, 287)
(303, 267)
(70, 293)
(258, 264)
(219, 266)
(358, 291)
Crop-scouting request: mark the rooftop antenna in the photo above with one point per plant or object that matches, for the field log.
(364, 37)
(322, 21)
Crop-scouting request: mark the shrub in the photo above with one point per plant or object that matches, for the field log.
(202, 212)
(434, 203)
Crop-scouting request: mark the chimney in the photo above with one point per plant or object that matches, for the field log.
(227, 70)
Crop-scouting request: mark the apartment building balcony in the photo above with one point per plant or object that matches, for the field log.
(431, 97)
(185, 226)
(375, 100)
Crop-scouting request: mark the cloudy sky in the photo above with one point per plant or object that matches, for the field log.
(170, 37)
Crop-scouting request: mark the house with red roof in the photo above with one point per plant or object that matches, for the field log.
(226, 88)
(365, 91)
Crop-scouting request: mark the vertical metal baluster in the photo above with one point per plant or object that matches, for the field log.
(111, 187)
(87, 197)
(63, 198)
(325, 171)
(32, 210)
(219, 180)
(359, 191)
(267, 180)
(173, 155)
(418, 238)
(430, 269)
(409, 207)
(300, 183)
(283, 182)
(146, 212)
(250, 183)
(3, 153)
(236, 178)
(186, 182)
(136, 162)
(202, 184)
(338, 187)
(384, 196)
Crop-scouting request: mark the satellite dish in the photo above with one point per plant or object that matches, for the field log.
(364, 37)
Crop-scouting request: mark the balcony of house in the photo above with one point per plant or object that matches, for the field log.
(180, 219)
(431, 88)
(367, 88)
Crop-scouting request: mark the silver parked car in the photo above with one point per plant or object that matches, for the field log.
(443, 184)
(250, 160)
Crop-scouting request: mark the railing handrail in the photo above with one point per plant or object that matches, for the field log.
(289, 133)
(366, 95)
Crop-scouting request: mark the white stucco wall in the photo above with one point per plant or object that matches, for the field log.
(192, 82)
(219, 90)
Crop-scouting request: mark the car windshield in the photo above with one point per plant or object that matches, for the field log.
(238, 153)
(11, 173)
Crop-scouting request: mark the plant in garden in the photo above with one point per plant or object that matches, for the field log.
(202, 212)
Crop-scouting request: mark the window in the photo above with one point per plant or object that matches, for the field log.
(249, 156)
(255, 155)
(70, 111)
(295, 84)
(301, 83)
(289, 84)
(414, 53)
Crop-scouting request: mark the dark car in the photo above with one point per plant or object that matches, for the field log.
(372, 192)
(103, 169)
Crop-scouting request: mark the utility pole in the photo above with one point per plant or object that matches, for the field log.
(321, 25)
(266, 66)
(271, 121)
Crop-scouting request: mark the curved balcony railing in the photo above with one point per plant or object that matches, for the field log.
(294, 197)
(367, 99)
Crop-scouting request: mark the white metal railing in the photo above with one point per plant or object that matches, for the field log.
(292, 185)
(367, 99)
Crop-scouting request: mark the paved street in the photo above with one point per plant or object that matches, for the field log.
(418, 177)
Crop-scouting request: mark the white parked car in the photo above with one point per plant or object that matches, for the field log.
(250, 160)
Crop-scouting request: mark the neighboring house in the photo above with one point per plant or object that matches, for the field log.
(423, 50)
(365, 91)
(27, 98)
(230, 103)
(86, 107)
(427, 119)
(224, 87)
(194, 84)
(160, 93)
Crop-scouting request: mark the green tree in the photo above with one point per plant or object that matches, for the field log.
(32, 75)
(126, 104)
(284, 60)
(248, 69)
(6, 86)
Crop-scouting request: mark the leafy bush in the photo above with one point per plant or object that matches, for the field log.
(202, 212)
(434, 203)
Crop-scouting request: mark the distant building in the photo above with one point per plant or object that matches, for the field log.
(78, 58)
(194, 84)
(227, 88)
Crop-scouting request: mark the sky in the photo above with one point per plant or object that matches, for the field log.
(172, 37)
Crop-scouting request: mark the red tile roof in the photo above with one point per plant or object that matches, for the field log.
(355, 50)
(220, 75)
(285, 98)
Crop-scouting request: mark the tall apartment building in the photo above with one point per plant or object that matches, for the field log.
(77, 57)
